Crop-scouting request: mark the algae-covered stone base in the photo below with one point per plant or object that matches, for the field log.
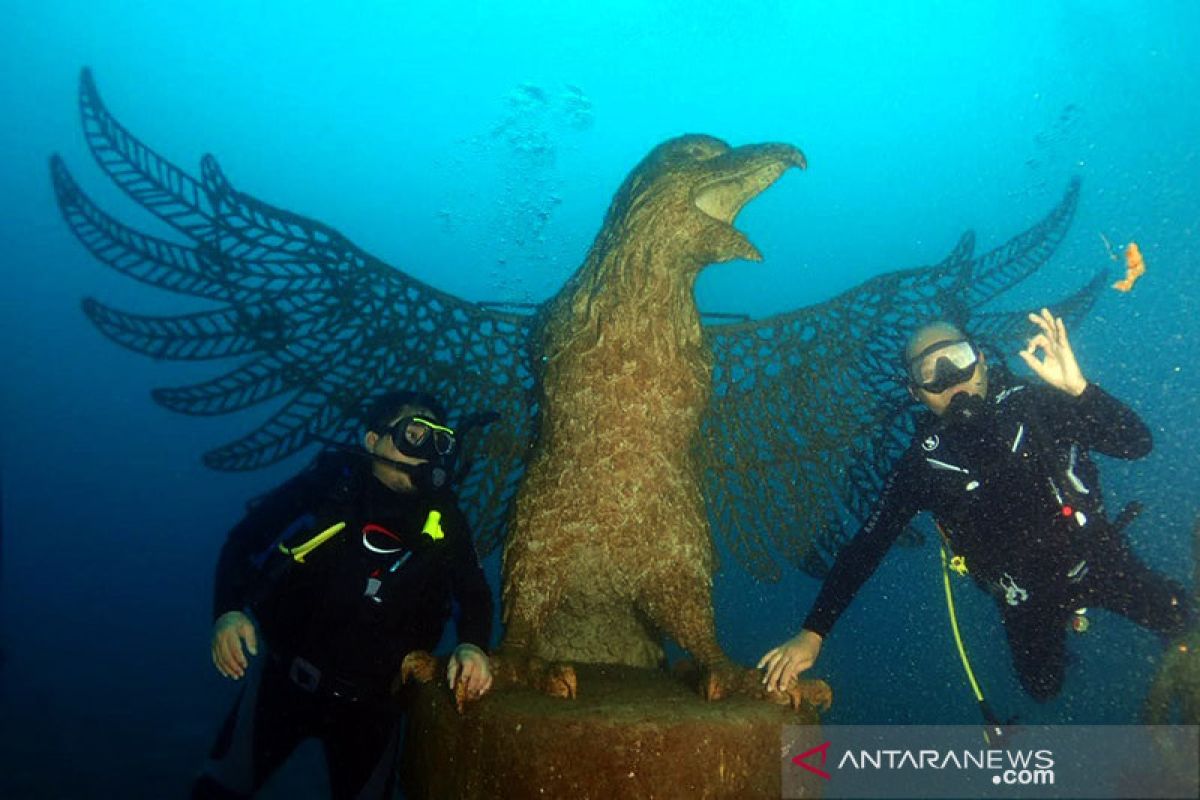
(636, 733)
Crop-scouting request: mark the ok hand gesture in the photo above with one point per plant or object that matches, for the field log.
(1056, 364)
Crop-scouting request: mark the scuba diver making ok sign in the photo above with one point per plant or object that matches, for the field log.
(1004, 468)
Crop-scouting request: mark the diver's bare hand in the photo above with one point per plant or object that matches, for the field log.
(231, 631)
(472, 667)
(784, 663)
(1057, 365)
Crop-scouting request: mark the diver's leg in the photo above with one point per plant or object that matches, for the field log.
(362, 749)
(262, 730)
(1120, 582)
(1037, 640)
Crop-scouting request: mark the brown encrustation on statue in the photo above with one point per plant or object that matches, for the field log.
(609, 549)
(1176, 685)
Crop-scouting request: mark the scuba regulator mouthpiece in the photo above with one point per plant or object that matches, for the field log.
(965, 408)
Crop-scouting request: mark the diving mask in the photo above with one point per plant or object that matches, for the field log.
(943, 364)
(420, 437)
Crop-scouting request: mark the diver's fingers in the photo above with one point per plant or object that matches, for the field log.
(1058, 331)
(1042, 342)
(452, 669)
(235, 658)
(1033, 362)
(250, 637)
(772, 679)
(1038, 320)
(226, 658)
(217, 663)
(1044, 320)
(1061, 330)
(768, 665)
(780, 672)
(768, 657)
(220, 657)
(236, 651)
(468, 674)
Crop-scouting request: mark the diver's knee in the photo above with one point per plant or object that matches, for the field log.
(1043, 686)
(1181, 617)
(1043, 692)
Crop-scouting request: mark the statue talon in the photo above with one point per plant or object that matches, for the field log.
(728, 679)
(419, 665)
(560, 680)
(814, 693)
(461, 696)
(718, 681)
(1176, 683)
(554, 679)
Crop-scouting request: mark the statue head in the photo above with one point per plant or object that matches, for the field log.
(684, 196)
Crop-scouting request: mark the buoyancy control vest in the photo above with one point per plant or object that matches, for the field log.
(359, 579)
(1015, 505)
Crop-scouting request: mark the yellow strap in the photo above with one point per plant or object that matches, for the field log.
(962, 651)
(300, 551)
(433, 526)
(430, 423)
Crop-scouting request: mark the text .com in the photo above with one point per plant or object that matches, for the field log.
(1025, 777)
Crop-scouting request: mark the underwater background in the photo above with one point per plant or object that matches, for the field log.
(476, 146)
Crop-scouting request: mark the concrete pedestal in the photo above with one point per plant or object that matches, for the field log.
(631, 732)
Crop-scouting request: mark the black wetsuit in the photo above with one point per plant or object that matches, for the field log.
(336, 627)
(1017, 497)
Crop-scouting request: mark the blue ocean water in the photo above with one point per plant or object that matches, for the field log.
(477, 147)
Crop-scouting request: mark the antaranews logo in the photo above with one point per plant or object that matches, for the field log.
(1009, 767)
(802, 759)
(1038, 762)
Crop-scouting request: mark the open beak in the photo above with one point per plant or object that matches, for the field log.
(743, 174)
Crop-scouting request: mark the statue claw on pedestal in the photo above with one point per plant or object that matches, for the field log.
(420, 665)
(729, 680)
(555, 679)
(815, 693)
(1176, 687)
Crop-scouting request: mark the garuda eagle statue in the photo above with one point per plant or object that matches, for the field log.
(630, 437)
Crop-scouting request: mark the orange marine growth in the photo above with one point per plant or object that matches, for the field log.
(1134, 268)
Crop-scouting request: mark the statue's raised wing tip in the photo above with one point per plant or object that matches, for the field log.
(88, 93)
(66, 190)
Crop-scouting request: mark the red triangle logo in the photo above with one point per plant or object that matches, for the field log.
(801, 760)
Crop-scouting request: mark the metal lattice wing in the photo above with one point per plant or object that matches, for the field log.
(316, 324)
(808, 414)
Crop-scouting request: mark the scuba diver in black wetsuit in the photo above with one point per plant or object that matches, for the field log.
(338, 574)
(1006, 474)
